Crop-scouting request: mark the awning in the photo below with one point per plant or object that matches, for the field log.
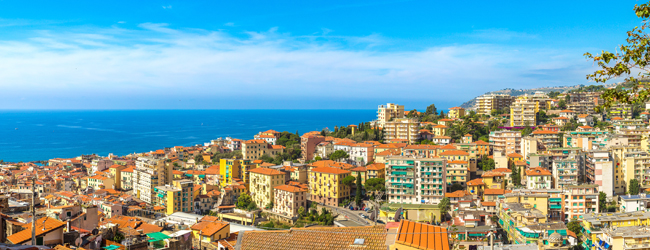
(157, 236)
(111, 247)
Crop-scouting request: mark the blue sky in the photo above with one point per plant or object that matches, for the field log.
(294, 54)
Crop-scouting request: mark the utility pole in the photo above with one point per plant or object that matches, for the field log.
(492, 239)
(33, 212)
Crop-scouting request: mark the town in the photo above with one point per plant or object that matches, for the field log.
(538, 171)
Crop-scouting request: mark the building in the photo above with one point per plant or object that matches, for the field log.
(49, 231)
(414, 180)
(547, 138)
(324, 149)
(230, 169)
(402, 129)
(206, 233)
(177, 197)
(289, 199)
(566, 172)
(600, 170)
(456, 113)
(594, 225)
(457, 170)
(388, 112)
(622, 110)
(358, 237)
(538, 178)
(361, 153)
(486, 103)
(631, 203)
(523, 113)
(148, 174)
(505, 141)
(586, 119)
(262, 184)
(376, 170)
(560, 121)
(127, 178)
(326, 186)
(580, 200)
(309, 144)
(254, 149)
(415, 235)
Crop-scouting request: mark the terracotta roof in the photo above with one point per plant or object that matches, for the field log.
(453, 152)
(291, 189)
(475, 182)
(254, 141)
(376, 166)
(489, 204)
(515, 155)
(208, 228)
(422, 236)
(330, 170)
(315, 238)
(617, 118)
(265, 171)
(520, 163)
(541, 132)
(567, 111)
(492, 174)
(479, 142)
(457, 194)
(585, 127)
(43, 226)
(456, 108)
(560, 118)
(359, 169)
(585, 115)
(388, 152)
(537, 171)
(494, 191)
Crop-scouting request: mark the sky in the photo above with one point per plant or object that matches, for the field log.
(294, 54)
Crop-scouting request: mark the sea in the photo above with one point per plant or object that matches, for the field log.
(45, 134)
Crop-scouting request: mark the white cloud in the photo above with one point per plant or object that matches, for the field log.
(166, 6)
(158, 60)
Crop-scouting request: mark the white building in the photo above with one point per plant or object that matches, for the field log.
(631, 203)
(538, 178)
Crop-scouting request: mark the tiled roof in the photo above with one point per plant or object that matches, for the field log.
(541, 132)
(376, 166)
(492, 174)
(265, 171)
(567, 111)
(457, 194)
(537, 171)
(291, 189)
(374, 237)
(515, 155)
(479, 142)
(489, 204)
(43, 226)
(422, 236)
(475, 182)
(330, 170)
(494, 191)
(209, 228)
(560, 118)
(454, 152)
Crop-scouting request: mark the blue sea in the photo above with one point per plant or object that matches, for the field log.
(42, 135)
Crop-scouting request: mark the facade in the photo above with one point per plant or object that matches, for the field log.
(523, 113)
(324, 149)
(254, 149)
(288, 199)
(262, 184)
(505, 141)
(457, 170)
(580, 200)
(486, 103)
(389, 112)
(230, 169)
(376, 170)
(361, 153)
(401, 129)
(309, 144)
(547, 138)
(148, 174)
(325, 185)
(566, 172)
(414, 180)
(456, 113)
(538, 178)
(632, 203)
(621, 110)
(177, 197)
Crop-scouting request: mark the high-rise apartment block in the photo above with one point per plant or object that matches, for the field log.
(486, 103)
(412, 180)
(388, 112)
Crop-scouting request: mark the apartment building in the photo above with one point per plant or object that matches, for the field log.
(549, 139)
(599, 169)
(177, 197)
(401, 129)
(388, 112)
(288, 199)
(326, 187)
(414, 180)
(148, 174)
(254, 149)
(308, 146)
(456, 113)
(566, 172)
(262, 184)
(361, 153)
(538, 178)
(523, 113)
(486, 103)
(580, 200)
(631, 203)
(376, 170)
(324, 149)
(127, 178)
(230, 169)
(505, 141)
(636, 165)
(622, 110)
(458, 169)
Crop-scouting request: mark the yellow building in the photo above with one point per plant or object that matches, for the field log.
(116, 173)
(232, 168)
(523, 113)
(439, 130)
(254, 149)
(597, 226)
(476, 187)
(376, 170)
(389, 112)
(458, 171)
(494, 179)
(362, 171)
(262, 182)
(100, 182)
(178, 197)
(206, 233)
(402, 129)
(326, 185)
(456, 112)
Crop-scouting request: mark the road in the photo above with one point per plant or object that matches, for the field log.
(352, 215)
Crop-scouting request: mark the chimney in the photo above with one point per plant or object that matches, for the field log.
(68, 225)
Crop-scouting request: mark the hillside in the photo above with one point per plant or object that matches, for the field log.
(517, 92)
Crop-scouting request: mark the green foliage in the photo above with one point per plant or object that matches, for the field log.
(198, 159)
(561, 104)
(431, 110)
(339, 154)
(357, 198)
(288, 139)
(456, 187)
(227, 155)
(348, 180)
(375, 184)
(266, 158)
(269, 206)
(118, 237)
(632, 55)
(553, 94)
(574, 226)
(486, 163)
(602, 202)
(516, 177)
(318, 158)
(245, 202)
(444, 206)
(542, 118)
(301, 211)
(634, 187)
(468, 126)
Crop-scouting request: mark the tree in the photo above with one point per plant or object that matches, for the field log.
(561, 104)
(553, 94)
(431, 110)
(634, 187)
(375, 184)
(456, 187)
(516, 178)
(357, 198)
(602, 202)
(339, 154)
(444, 206)
(244, 201)
(574, 226)
(486, 163)
(629, 57)
(318, 158)
(301, 211)
(266, 158)
(348, 181)
(442, 114)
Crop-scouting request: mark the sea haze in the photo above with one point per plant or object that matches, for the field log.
(42, 135)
